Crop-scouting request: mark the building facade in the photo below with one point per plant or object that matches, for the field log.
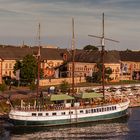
(130, 65)
(57, 63)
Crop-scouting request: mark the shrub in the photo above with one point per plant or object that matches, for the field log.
(32, 86)
(64, 86)
(3, 87)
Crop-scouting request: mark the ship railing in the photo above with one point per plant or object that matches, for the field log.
(52, 107)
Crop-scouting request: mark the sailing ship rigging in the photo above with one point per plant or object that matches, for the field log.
(73, 56)
(102, 53)
(63, 109)
(38, 60)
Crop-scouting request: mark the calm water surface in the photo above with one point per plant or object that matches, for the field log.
(122, 129)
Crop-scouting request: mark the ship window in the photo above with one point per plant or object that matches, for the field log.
(33, 114)
(70, 112)
(107, 108)
(114, 107)
(100, 110)
(81, 111)
(110, 108)
(63, 113)
(39, 114)
(54, 113)
(87, 111)
(47, 114)
(94, 110)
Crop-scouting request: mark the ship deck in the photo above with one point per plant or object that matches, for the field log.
(81, 105)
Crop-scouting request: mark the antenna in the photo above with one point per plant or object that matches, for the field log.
(102, 52)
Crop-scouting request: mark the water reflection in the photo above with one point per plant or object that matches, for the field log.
(4, 135)
(109, 130)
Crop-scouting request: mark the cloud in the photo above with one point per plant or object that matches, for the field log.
(19, 18)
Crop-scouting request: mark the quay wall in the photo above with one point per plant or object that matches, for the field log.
(48, 82)
(109, 86)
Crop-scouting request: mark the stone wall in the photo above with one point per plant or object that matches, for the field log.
(46, 82)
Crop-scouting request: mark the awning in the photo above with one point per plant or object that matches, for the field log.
(60, 97)
(89, 95)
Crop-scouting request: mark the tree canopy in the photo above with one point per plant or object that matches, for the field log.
(64, 86)
(97, 75)
(17, 66)
(28, 68)
(90, 47)
(128, 50)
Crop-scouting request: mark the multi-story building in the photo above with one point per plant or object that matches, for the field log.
(57, 62)
(85, 63)
(130, 65)
(50, 58)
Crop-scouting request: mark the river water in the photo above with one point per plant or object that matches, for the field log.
(121, 129)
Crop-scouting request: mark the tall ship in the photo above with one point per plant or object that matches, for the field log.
(73, 108)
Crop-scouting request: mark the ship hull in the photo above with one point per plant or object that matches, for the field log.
(68, 116)
(68, 121)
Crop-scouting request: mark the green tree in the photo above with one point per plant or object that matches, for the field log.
(97, 75)
(17, 66)
(28, 69)
(90, 47)
(128, 50)
(3, 86)
(32, 86)
(64, 86)
(108, 72)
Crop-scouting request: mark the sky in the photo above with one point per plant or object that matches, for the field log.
(19, 22)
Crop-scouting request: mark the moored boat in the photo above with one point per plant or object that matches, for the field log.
(62, 109)
(89, 107)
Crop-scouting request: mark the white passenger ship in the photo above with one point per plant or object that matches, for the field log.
(65, 109)
(85, 110)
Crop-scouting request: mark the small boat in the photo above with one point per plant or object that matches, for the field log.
(134, 88)
(64, 109)
(112, 89)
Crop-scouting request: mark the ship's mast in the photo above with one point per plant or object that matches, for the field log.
(73, 56)
(38, 60)
(102, 53)
(103, 67)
